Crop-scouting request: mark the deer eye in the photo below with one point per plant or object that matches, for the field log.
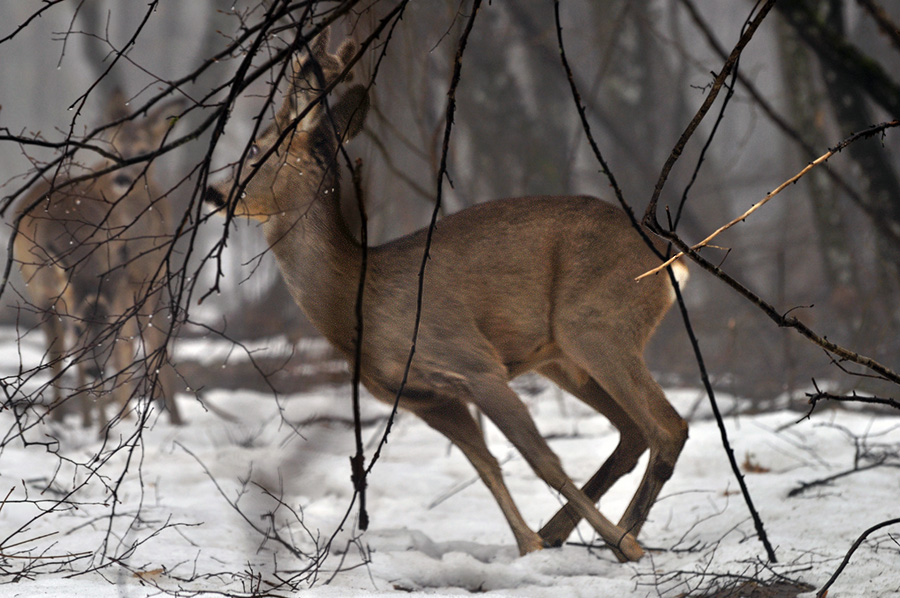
(122, 180)
(254, 150)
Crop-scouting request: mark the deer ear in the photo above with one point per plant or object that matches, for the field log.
(290, 106)
(350, 112)
(345, 54)
(319, 46)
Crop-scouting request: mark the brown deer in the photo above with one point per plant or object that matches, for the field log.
(541, 284)
(91, 255)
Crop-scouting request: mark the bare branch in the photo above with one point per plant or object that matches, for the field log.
(823, 591)
(874, 130)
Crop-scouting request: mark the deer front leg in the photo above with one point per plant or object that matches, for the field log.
(451, 418)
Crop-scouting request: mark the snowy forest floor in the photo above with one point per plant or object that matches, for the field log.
(248, 507)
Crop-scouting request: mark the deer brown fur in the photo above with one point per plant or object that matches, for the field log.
(541, 284)
(91, 258)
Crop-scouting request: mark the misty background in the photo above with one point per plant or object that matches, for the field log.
(827, 248)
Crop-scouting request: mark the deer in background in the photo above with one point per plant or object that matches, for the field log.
(91, 256)
(541, 284)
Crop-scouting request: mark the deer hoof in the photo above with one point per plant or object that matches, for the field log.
(531, 545)
(628, 549)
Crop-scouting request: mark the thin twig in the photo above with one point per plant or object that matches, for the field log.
(873, 130)
(881, 17)
(358, 460)
(767, 108)
(824, 590)
(804, 486)
(819, 395)
(650, 215)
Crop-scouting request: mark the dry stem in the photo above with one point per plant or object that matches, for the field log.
(866, 133)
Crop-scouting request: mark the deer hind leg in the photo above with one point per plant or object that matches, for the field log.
(503, 407)
(621, 371)
(620, 462)
(451, 418)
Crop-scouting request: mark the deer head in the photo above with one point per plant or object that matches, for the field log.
(134, 137)
(291, 162)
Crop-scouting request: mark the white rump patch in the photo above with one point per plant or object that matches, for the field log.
(682, 274)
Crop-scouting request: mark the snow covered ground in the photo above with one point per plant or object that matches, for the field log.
(195, 504)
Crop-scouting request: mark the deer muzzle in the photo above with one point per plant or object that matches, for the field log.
(214, 197)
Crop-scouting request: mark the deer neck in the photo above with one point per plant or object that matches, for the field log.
(320, 261)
